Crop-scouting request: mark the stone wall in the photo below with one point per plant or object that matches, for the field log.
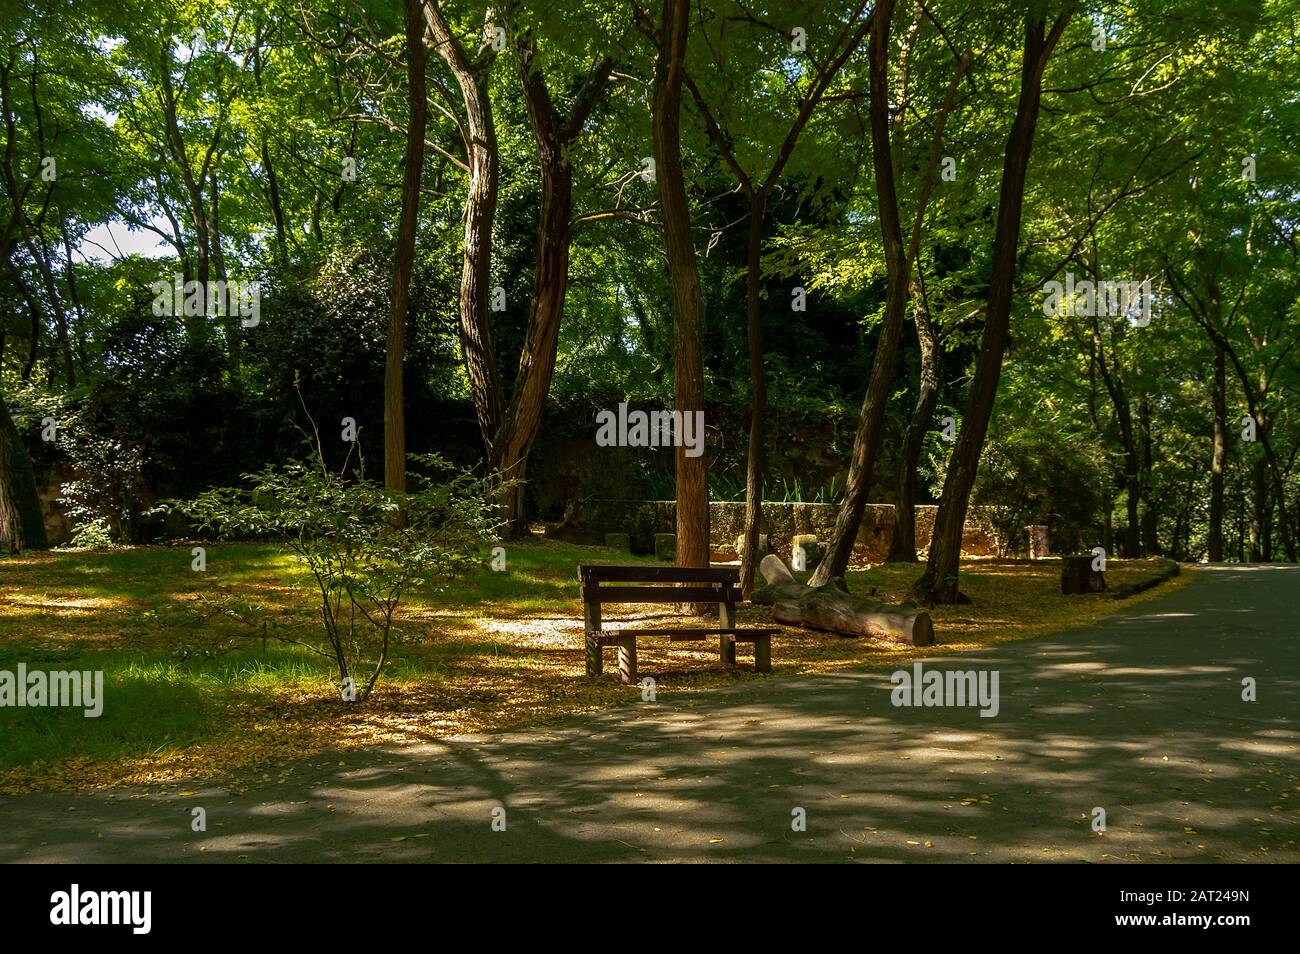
(49, 487)
(587, 521)
(149, 527)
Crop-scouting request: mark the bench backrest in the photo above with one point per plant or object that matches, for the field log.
(675, 584)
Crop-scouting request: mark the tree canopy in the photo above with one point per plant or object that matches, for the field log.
(833, 226)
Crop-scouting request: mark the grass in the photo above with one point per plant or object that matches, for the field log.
(188, 697)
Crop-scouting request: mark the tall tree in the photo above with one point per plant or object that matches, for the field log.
(903, 287)
(555, 136)
(1219, 455)
(939, 583)
(866, 441)
(509, 421)
(470, 73)
(757, 186)
(22, 526)
(413, 164)
(688, 307)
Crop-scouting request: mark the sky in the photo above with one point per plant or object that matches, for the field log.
(113, 239)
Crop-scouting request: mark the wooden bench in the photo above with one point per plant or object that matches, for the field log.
(627, 584)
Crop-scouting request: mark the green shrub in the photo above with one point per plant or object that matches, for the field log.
(364, 545)
(95, 534)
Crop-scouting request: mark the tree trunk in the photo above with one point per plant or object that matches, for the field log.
(1273, 468)
(196, 325)
(1241, 528)
(40, 254)
(1260, 508)
(33, 313)
(1150, 519)
(74, 295)
(847, 41)
(939, 582)
(683, 269)
(866, 442)
(230, 316)
(22, 526)
(404, 259)
(756, 463)
(1114, 382)
(555, 141)
(902, 546)
(272, 180)
(480, 212)
(1133, 528)
(833, 608)
(1219, 458)
(1210, 317)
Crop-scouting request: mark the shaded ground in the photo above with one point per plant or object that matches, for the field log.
(1140, 714)
(193, 693)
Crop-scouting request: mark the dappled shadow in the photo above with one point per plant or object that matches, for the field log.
(1140, 715)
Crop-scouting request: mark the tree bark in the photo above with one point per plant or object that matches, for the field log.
(939, 582)
(480, 212)
(902, 545)
(1219, 456)
(666, 96)
(555, 139)
(1150, 519)
(1261, 505)
(22, 526)
(755, 465)
(902, 288)
(404, 259)
(866, 442)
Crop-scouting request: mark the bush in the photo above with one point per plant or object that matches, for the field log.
(109, 489)
(93, 535)
(1039, 477)
(365, 546)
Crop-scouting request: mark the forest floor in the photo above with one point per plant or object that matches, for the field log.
(193, 696)
(1140, 715)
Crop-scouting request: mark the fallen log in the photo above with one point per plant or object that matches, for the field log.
(833, 608)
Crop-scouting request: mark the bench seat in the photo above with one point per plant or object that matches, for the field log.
(634, 584)
(687, 635)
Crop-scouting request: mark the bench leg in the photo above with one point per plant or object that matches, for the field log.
(627, 660)
(726, 642)
(763, 653)
(591, 623)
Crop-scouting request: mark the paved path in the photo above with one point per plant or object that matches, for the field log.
(1140, 714)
